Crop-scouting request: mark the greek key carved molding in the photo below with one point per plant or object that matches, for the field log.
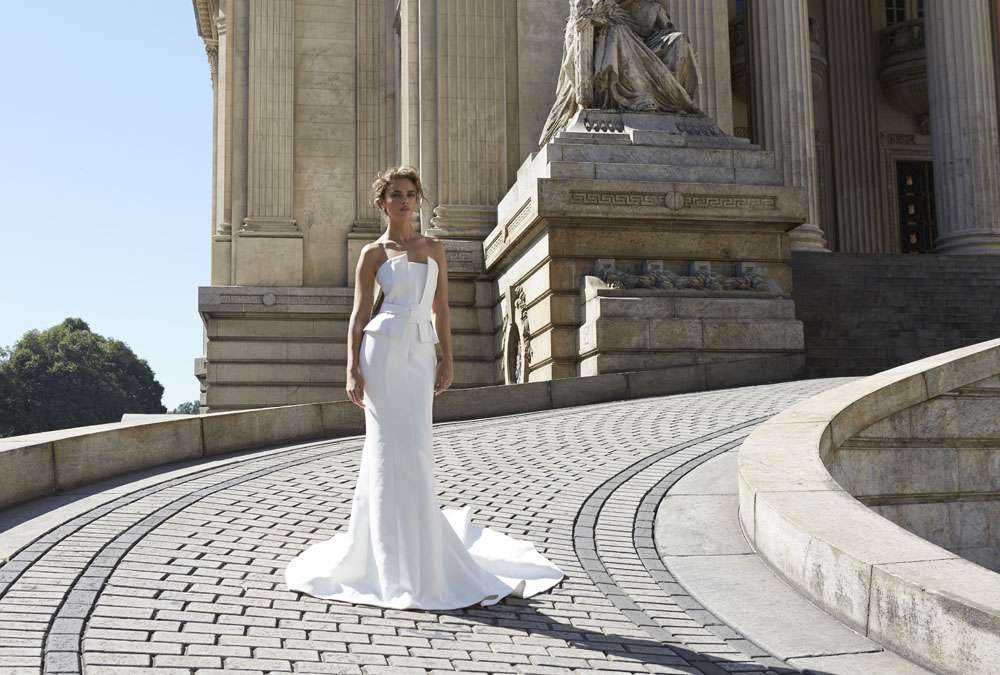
(674, 201)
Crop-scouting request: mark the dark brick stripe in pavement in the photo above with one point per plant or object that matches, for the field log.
(652, 613)
(186, 577)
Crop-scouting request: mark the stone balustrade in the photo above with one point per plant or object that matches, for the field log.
(916, 598)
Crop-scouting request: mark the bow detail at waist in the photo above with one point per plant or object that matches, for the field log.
(393, 317)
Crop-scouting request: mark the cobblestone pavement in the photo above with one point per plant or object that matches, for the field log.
(186, 576)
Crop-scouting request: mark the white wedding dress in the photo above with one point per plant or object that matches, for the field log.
(401, 550)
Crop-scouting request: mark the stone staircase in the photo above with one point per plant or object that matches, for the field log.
(865, 313)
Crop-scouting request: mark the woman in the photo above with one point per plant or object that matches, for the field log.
(400, 549)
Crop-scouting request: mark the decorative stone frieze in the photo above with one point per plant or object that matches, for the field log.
(702, 281)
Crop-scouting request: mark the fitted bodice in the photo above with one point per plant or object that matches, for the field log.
(409, 288)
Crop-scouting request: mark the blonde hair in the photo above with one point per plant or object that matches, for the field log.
(382, 180)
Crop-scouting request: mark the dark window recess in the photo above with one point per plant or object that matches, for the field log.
(915, 190)
(895, 11)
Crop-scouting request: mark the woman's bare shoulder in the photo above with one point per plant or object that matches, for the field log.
(434, 247)
(371, 253)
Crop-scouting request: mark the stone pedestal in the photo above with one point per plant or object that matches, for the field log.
(647, 328)
(618, 194)
(270, 345)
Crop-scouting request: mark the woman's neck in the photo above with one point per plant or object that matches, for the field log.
(400, 232)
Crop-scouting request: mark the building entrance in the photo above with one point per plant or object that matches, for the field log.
(915, 196)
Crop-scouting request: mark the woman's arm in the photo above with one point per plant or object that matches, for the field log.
(442, 318)
(361, 314)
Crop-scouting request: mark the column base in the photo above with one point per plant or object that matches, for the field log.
(808, 237)
(270, 227)
(463, 221)
(985, 242)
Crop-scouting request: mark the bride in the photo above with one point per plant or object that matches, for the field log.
(635, 58)
(401, 550)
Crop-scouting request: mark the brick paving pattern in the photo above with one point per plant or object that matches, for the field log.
(186, 577)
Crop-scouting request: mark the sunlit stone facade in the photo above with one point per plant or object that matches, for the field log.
(883, 112)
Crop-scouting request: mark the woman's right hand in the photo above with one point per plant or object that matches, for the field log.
(355, 387)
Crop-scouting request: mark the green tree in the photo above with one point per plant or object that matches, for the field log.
(187, 408)
(6, 397)
(68, 376)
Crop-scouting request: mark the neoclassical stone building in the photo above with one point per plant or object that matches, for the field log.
(882, 114)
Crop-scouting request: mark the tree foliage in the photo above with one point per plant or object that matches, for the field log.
(187, 408)
(67, 376)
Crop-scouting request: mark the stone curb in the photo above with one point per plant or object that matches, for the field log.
(914, 597)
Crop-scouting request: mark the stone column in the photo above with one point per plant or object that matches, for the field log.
(222, 259)
(270, 246)
(376, 103)
(427, 104)
(409, 85)
(963, 114)
(477, 139)
(706, 23)
(854, 100)
(783, 101)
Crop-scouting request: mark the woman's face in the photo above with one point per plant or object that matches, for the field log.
(400, 200)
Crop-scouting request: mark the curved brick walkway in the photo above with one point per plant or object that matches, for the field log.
(185, 576)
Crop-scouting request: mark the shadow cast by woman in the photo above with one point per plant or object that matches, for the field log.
(673, 655)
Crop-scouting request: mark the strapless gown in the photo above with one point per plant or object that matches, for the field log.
(401, 549)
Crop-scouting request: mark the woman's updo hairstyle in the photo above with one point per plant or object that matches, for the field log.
(383, 179)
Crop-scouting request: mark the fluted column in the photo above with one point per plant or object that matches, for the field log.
(271, 123)
(477, 135)
(221, 166)
(409, 86)
(783, 102)
(706, 23)
(376, 104)
(858, 200)
(270, 242)
(963, 115)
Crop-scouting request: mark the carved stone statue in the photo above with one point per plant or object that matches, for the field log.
(623, 55)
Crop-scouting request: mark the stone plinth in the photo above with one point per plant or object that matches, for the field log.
(637, 192)
(643, 329)
(272, 345)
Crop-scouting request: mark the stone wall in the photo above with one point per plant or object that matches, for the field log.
(864, 314)
(930, 468)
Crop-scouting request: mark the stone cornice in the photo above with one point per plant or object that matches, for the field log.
(205, 12)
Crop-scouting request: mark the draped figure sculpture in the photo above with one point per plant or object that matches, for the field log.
(624, 55)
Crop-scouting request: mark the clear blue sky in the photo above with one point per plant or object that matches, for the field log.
(105, 169)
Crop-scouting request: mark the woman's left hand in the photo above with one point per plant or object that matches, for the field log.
(445, 374)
